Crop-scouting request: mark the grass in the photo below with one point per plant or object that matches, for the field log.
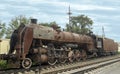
(3, 64)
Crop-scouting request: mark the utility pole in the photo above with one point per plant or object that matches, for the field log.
(69, 14)
(103, 32)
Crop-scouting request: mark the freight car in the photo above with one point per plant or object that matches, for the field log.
(40, 44)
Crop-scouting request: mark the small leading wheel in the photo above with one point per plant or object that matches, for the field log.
(26, 63)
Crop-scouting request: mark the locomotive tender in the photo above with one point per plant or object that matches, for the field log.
(41, 44)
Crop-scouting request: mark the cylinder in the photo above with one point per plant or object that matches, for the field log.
(43, 50)
(44, 58)
(40, 50)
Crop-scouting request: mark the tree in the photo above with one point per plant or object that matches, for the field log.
(79, 24)
(51, 24)
(2, 29)
(14, 24)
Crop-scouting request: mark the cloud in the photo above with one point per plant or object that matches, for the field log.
(113, 36)
(4, 6)
(73, 5)
(6, 17)
(5, 14)
(91, 7)
(52, 2)
(97, 28)
(26, 8)
(110, 31)
(43, 17)
(1, 7)
(104, 13)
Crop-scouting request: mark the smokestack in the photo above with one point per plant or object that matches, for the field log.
(34, 21)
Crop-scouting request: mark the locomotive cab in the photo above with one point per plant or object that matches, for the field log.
(99, 43)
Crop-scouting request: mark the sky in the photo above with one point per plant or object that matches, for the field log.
(104, 13)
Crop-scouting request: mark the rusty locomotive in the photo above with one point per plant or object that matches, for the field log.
(40, 44)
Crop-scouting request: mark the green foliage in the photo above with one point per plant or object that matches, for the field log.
(51, 24)
(79, 24)
(14, 24)
(2, 29)
(3, 64)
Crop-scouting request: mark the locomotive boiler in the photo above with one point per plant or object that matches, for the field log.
(34, 43)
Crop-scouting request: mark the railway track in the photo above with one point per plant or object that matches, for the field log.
(89, 68)
(76, 67)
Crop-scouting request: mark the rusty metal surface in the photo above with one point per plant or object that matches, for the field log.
(65, 36)
(42, 32)
(91, 46)
(72, 37)
(43, 50)
(76, 37)
(44, 58)
(116, 46)
(85, 39)
(40, 50)
(48, 33)
(109, 45)
(27, 40)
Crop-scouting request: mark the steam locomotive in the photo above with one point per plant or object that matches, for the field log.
(36, 44)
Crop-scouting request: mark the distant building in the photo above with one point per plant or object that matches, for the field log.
(4, 46)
